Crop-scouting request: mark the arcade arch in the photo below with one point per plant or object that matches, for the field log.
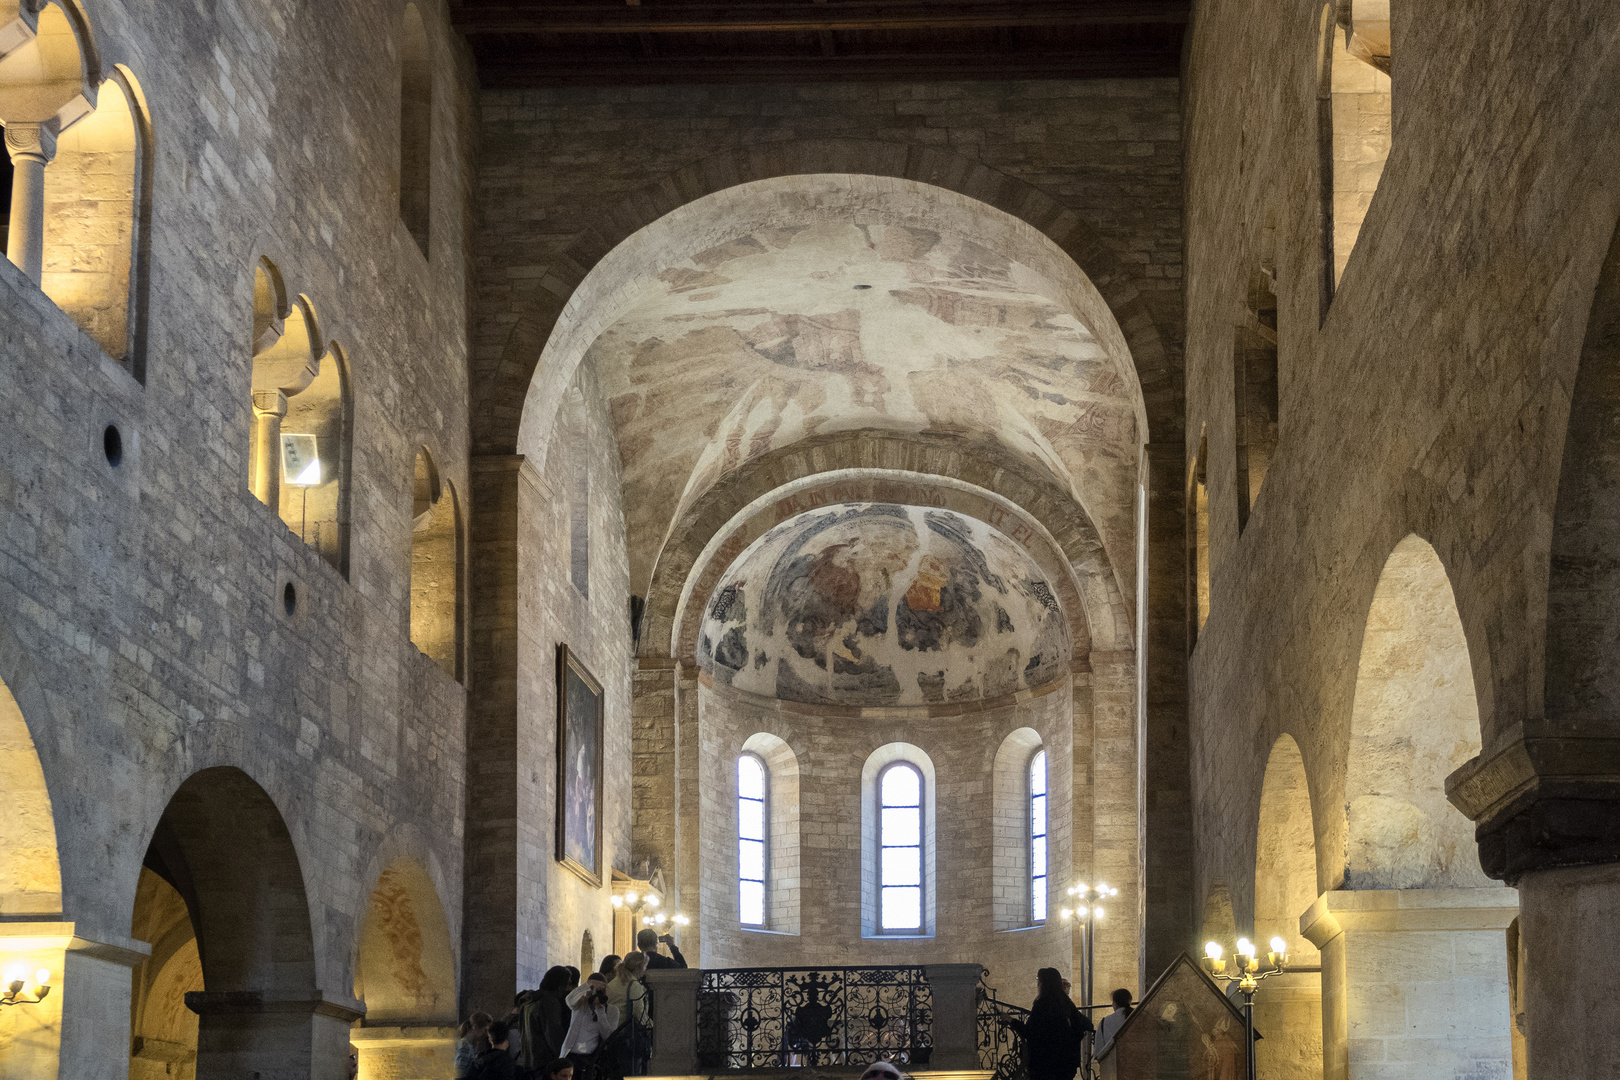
(405, 974)
(1285, 887)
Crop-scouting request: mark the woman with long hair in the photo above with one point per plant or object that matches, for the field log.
(1054, 1030)
(474, 1040)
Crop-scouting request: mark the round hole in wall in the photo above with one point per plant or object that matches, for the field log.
(112, 444)
(862, 288)
(289, 598)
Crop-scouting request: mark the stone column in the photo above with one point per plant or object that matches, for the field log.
(1414, 976)
(81, 1028)
(675, 1020)
(1546, 810)
(406, 1052)
(31, 147)
(1288, 1012)
(1167, 830)
(956, 1016)
(269, 408)
(490, 874)
(687, 807)
(1116, 840)
(248, 1033)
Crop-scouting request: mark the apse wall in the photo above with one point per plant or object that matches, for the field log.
(958, 749)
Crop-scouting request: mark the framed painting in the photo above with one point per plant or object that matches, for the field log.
(579, 768)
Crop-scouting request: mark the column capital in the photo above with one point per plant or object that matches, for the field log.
(31, 142)
(1407, 910)
(269, 402)
(1542, 802)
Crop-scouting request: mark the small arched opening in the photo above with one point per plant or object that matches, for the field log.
(436, 567)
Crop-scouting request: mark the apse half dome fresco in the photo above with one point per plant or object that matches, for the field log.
(877, 604)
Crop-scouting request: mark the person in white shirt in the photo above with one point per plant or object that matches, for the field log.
(593, 1018)
(1113, 1021)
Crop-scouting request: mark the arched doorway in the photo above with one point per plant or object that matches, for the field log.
(30, 887)
(1289, 1008)
(221, 854)
(1412, 884)
(406, 976)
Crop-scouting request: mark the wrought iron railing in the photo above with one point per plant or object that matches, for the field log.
(1001, 1049)
(754, 1018)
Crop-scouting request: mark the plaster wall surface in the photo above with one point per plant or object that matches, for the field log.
(143, 629)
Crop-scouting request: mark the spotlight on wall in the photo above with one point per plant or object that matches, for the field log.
(16, 981)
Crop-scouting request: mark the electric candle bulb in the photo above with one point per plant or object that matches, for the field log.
(1279, 946)
(1213, 950)
(652, 901)
(1245, 947)
(42, 977)
(15, 973)
(629, 897)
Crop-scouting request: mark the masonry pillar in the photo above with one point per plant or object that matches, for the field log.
(490, 938)
(81, 1028)
(956, 1027)
(247, 1033)
(1414, 976)
(687, 806)
(1546, 810)
(652, 783)
(1167, 828)
(675, 1016)
(31, 147)
(1116, 851)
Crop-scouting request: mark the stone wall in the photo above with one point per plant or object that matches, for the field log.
(143, 622)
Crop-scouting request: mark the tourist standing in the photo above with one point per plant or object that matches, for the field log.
(1054, 1030)
(1113, 1021)
(647, 941)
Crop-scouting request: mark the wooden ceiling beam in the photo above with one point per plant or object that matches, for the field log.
(557, 69)
(553, 17)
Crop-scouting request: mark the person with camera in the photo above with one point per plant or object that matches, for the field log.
(594, 1019)
(649, 940)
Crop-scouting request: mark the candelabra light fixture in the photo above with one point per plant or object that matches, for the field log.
(17, 981)
(1088, 910)
(645, 906)
(1248, 974)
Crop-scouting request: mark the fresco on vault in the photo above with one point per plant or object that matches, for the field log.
(878, 604)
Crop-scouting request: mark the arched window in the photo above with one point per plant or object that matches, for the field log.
(752, 825)
(1354, 120)
(1037, 837)
(415, 129)
(436, 567)
(900, 848)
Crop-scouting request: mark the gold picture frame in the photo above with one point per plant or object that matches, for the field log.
(580, 719)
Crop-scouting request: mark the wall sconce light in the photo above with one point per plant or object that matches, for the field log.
(15, 982)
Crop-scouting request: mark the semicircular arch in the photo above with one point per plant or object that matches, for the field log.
(1103, 618)
(597, 278)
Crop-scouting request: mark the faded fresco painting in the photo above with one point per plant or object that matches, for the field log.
(873, 603)
(579, 768)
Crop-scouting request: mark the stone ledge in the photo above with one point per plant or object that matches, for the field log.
(1407, 911)
(256, 1002)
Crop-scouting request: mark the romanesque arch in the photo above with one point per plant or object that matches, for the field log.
(1415, 719)
(1285, 876)
(1106, 298)
(405, 973)
(223, 848)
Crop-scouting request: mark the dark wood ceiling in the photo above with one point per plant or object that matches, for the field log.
(524, 43)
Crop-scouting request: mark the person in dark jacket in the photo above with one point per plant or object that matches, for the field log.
(496, 1063)
(1053, 1031)
(647, 941)
(546, 1016)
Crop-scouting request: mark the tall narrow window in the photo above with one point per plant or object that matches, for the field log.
(1354, 124)
(415, 129)
(900, 823)
(1037, 837)
(751, 826)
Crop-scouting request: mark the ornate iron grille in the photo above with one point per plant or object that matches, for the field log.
(753, 1018)
(1001, 1049)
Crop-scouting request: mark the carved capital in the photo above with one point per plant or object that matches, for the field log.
(1542, 802)
(30, 142)
(269, 403)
